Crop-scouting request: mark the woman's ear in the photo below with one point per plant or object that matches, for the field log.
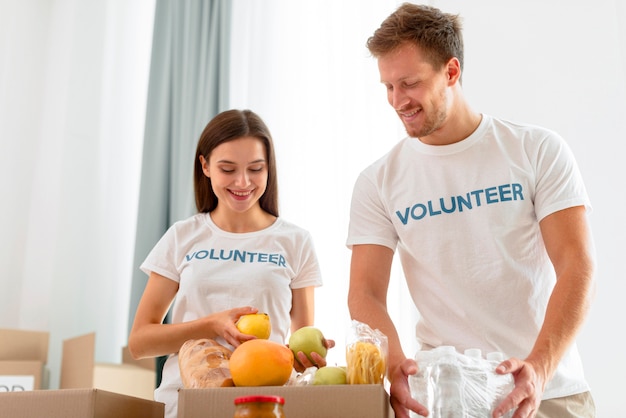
(205, 166)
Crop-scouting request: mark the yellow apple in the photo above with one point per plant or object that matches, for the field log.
(257, 324)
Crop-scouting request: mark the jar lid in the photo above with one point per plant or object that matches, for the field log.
(260, 398)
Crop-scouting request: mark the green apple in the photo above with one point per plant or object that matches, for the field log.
(330, 375)
(308, 340)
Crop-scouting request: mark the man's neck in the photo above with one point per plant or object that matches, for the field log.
(460, 123)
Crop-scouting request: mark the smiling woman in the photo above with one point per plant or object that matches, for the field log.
(238, 173)
(265, 264)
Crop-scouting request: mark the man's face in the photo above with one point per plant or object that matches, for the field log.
(415, 90)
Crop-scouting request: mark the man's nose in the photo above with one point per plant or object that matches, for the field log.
(398, 99)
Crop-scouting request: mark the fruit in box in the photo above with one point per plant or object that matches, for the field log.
(330, 375)
(261, 363)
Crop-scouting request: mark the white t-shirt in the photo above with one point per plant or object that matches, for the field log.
(218, 270)
(464, 218)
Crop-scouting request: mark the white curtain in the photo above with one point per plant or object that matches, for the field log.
(73, 77)
(304, 68)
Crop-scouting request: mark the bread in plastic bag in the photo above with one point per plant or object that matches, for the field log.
(204, 363)
(366, 354)
(452, 384)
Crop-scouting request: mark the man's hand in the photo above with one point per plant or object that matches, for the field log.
(529, 386)
(400, 392)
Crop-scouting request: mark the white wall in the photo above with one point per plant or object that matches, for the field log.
(73, 79)
(562, 64)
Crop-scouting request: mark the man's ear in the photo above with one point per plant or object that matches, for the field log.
(453, 69)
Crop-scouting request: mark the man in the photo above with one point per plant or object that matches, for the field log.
(489, 219)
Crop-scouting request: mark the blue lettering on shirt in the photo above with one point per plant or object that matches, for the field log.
(472, 199)
(238, 256)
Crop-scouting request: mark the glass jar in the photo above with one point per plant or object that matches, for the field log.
(259, 406)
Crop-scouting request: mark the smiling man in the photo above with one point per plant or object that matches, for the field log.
(489, 218)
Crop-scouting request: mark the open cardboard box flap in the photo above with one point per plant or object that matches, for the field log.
(77, 403)
(77, 362)
(80, 370)
(24, 345)
(23, 355)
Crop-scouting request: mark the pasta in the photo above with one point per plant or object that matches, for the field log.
(365, 363)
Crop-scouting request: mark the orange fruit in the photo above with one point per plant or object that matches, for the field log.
(261, 363)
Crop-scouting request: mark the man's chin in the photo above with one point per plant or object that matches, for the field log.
(413, 133)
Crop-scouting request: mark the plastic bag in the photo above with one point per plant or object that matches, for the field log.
(366, 354)
(302, 379)
(450, 384)
(204, 363)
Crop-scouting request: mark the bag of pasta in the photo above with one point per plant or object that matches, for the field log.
(366, 354)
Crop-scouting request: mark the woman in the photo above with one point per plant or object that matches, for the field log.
(235, 257)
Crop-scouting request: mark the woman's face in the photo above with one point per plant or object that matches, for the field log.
(238, 172)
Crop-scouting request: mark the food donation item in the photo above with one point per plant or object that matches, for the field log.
(366, 355)
(366, 363)
(259, 407)
(204, 363)
(330, 375)
(451, 384)
(261, 363)
(257, 324)
(308, 340)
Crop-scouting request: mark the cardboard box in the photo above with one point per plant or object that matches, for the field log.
(336, 401)
(77, 403)
(79, 370)
(20, 375)
(23, 358)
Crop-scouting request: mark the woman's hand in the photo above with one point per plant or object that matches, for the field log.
(224, 324)
(302, 362)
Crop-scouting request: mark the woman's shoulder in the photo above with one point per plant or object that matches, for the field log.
(285, 226)
(191, 223)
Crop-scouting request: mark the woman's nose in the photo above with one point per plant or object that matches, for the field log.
(242, 178)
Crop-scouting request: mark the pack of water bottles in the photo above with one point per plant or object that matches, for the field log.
(452, 384)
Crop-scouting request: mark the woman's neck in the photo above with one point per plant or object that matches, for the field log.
(255, 219)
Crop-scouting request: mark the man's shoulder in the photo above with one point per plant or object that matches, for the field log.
(398, 150)
(509, 125)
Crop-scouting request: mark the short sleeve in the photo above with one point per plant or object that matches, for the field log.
(369, 219)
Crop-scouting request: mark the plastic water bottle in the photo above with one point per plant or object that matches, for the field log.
(437, 384)
(452, 385)
(449, 403)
